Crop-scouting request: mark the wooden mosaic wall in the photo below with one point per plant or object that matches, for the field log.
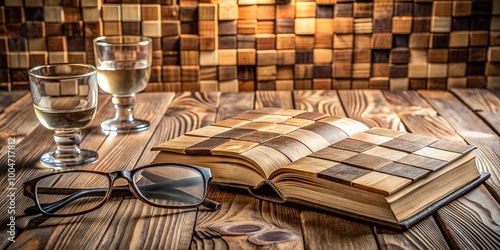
(243, 45)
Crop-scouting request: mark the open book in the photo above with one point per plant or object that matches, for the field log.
(382, 176)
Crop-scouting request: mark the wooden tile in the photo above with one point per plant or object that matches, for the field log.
(452, 146)
(405, 171)
(343, 10)
(230, 123)
(313, 116)
(305, 26)
(179, 144)
(322, 71)
(343, 41)
(290, 147)
(381, 183)
(382, 25)
(415, 138)
(366, 161)
(324, 130)
(305, 9)
(232, 148)
(385, 132)
(263, 155)
(111, 12)
(227, 73)
(457, 69)
(205, 147)
(312, 140)
(207, 12)
(169, 12)
(353, 145)
(422, 162)
(437, 154)
(54, 14)
(343, 173)
(266, 12)
(401, 25)
(228, 11)
(255, 125)
(131, 12)
(279, 128)
(386, 153)
(234, 133)
(440, 24)
(402, 145)
(259, 137)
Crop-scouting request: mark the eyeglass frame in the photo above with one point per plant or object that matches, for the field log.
(30, 186)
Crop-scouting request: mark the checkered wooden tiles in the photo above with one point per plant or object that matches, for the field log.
(230, 45)
(377, 160)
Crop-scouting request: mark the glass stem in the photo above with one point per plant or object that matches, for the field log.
(124, 106)
(68, 144)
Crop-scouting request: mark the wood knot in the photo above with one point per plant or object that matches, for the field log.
(239, 227)
(273, 236)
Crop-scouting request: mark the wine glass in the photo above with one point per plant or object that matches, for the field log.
(123, 69)
(65, 100)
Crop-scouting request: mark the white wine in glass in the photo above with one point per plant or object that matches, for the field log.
(65, 100)
(123, 69)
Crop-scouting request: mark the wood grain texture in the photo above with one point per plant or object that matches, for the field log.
(324, 101)
(371, 108)
(273, 99)
(484, 103)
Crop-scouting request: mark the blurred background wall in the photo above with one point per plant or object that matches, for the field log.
(244, 45)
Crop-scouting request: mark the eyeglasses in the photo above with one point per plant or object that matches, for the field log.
(77, 192)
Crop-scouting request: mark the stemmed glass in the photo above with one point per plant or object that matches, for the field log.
(123, 69)
(65, 100)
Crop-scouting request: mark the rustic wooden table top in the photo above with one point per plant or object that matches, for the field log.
(468, 115)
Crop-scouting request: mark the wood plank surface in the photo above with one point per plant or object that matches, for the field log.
(8, 98)
(453, 222)
(372, 108)
(117, 152)
(484, 103)
(324, 101)
(473, 130)
(17, 120)
(281, 99)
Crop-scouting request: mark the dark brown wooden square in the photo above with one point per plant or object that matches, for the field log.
(452, 146)
(234, 133)
(403, 145)
(290, 147)
(206, 146)
(311, 116)
(330, 132)
(367, 161)
(353, 145)
(419, 139)
(259, 137)
(343, 173)
(403, 170)
(422, 162)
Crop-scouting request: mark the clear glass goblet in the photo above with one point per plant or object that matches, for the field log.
(123, 69)
(65, 100)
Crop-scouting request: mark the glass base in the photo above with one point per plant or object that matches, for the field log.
(124, 126)
(87, 157)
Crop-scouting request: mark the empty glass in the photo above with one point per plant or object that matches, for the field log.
(123, 69)
(65, 100)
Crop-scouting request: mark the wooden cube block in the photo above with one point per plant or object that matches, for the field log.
(403, 8)
(266, 27)
(266, 85)
(152, 28)
(322, 71)
(380, 69)
(229, 86)
(95, 29)
(265, 73)
(19, 60)
(476, 68)
(303, 84)
(304, 42)
(379, 83)
(285, 41)
(477, 82)
(188, 13)
(456, 82)
(246, 41)
(441, 8)
(360, 84)
(343, 41)
(421, 24)
(494, 38)
(207, 28)
(304, 56)
(246, 57)
(437, 83)
(284, 85)
(419, 40)
(54, 14)
(342, 55)
(438, 40)
(91, 14)
(363, 26)
(131, 12)
(303, 71)
(362, 56)
(265, 41)
(189, 57)
(246, 72)
(57, 43)
(305, 9)
(341, 84)
(75, 57)
(285, 57)
(398, 84)
(493, 82)
(441, 24)
(437, 70)
(478, 38)
(265, 12)
(228, 73)
(247, 26)
(169, 12)
(190, 86)
(402, 25)
(38, 58)
(189, 42)
(112, 28)
(381, 41)
(190, 73)
(437, 55)
(361, 70)
(382, 25)
(208, 73)
(208, 43)
(227, 57)
(35, 3)
(111, 12)
(246, 86)
(322, 83)
(284, 26)
(462, 8)
(305, 26)
(324, 11)
(494, 54)
(171, 28)
(418, 55)
(383, 9)
(207, 12)
(325, 26)
(228, 11)
(323, 41)
(228, 42)
(247, 2)
(58, 57)
(322, 56)
(477, 54)
(266, 57)
(363, 9)
(459, 39)
(457, 69)
(344, 10)
(344, 25)
(362, 41)
(285, 11)
(170, 58)
(417, 70)
(247, 12)
(380, 56)
(285, 72)
(208, 58)
(458, 55)
(227, 27)
(342, 70)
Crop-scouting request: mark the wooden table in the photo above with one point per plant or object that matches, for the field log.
(467, 115)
